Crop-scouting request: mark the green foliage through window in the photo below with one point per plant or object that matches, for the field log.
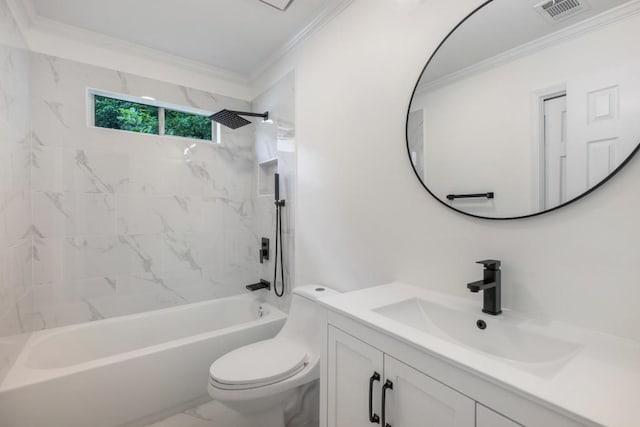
(187, 125)
(119, 114)
(124, 115)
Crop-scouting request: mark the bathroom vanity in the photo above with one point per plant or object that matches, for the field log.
(399, 355)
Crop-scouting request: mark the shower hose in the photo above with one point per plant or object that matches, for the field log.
(279, 237)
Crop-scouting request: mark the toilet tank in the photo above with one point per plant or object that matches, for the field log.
(307, 318)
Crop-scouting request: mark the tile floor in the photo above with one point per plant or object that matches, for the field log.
(210, 414)
(301, 412)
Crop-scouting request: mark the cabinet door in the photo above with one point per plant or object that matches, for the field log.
(351, 365)
(418, 400)
(485, 417)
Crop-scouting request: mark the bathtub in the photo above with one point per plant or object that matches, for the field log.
(126, 370)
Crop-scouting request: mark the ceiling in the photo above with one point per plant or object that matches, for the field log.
(500, 26)
(242, 36)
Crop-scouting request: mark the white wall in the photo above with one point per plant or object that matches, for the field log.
(364, 219)
(479, 129)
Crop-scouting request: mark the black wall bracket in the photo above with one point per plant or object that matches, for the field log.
(489, 195)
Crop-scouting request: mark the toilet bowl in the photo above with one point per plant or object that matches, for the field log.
(258, 380)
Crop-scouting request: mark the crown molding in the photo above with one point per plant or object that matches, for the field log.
(32, 24)
(326, 15)
(615, 14)
(36, 28)
(48, 26)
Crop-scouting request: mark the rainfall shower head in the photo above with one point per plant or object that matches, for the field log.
(232, 119)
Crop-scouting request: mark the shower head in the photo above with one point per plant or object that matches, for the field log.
(232, 119)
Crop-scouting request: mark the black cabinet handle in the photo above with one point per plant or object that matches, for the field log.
(387, 386)
(373, 418)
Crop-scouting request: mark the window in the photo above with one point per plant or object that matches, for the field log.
(187, 125)
(122, 112)
(124, 115)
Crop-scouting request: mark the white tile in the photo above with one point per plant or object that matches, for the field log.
(214, 412)
(140, 254)
(15, 272)
(15, 209)
(74, 214)
(88, 256)
(14, 166)
(183, 420)
(159, 214)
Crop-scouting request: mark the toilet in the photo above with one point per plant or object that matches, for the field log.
(257, 380)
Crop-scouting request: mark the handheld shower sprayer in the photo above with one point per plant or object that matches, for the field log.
(278, 202)
(279, 205)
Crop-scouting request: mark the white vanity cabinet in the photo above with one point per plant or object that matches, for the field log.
(417, 399)
(355, 369)
(485, 417)
(411, 398)
(421, 390)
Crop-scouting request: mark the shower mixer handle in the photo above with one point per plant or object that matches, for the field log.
(264, 250)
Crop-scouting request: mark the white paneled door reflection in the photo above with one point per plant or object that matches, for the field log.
(604, 124)
(589, 131)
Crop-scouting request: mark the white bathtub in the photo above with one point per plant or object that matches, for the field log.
(122, 371)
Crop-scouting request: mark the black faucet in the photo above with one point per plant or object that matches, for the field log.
(491, 286)
(262, 284)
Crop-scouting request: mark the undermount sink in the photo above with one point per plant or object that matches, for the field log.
(501, 337)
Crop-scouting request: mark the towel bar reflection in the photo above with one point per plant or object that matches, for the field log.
(471, 196)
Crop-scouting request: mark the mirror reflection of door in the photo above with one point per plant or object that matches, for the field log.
(555, 151)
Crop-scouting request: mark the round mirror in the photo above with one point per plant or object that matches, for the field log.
(527, 106)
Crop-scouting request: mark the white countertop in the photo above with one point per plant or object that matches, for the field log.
(600, 382)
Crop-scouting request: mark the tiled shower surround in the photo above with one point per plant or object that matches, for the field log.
(15, 243)
(98, 223)
(126, 222)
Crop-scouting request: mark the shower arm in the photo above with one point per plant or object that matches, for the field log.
(265, 116)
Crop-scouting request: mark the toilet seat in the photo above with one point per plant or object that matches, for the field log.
(256, 365)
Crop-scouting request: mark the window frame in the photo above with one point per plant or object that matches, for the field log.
(161, 106)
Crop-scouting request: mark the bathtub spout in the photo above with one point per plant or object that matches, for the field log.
(263, 284)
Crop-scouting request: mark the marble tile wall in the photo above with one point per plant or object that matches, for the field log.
(277, 141)
(111, 223)
(15, 210)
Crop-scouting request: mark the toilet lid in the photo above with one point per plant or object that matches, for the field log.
(264, 362)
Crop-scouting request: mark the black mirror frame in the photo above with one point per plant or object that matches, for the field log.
(575, 199)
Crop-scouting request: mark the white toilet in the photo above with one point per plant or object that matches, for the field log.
(257, 380)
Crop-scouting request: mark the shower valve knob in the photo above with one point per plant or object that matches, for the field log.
(264, 250)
